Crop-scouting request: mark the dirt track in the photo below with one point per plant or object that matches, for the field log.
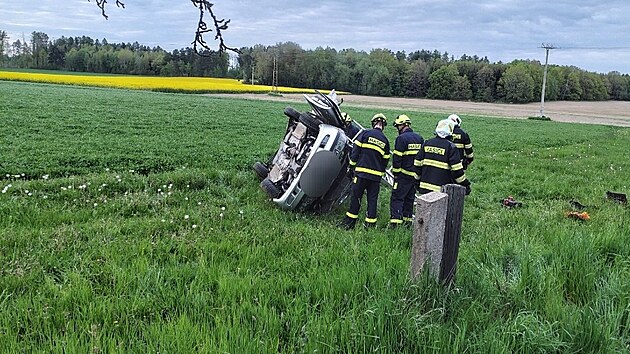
(607, 113)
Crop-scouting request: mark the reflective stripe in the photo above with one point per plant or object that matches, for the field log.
(352, 163)
(405, 218)
(395, 185)
(374, 147)
(387, 156)
(352, 216)
(370, 220)
(395, 170)
(408, 152)
(354, 180)
(367, 170)
(434, 163)
(395, 221)
(457, 166)
(468, 146)
(461, 179)
(459, 146)
(408, 173)
(429, 186)
(417, 163)
(358, 143)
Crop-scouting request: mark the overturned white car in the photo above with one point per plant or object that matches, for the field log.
(309, 170)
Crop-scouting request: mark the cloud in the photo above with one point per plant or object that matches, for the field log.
(499, 29)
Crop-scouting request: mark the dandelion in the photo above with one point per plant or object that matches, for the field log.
(45, 197)
(194, 226)
(222, 208)
(95, 205)
(198, 203)
(131, 171)
(221, 216)
(159, 190)
(186, 198)
(241, 213)
(170, 186)
(107, 169)
(163, 220)
(186, 216)
(30, 194)
(45, 176)
(188, 186)
(26, 191)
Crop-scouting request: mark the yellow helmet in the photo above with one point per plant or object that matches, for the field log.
(346, 117)
(402, 120)
(379, 117)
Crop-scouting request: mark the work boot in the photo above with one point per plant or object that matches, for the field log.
(368, 225)
(347, 224)
(393, 225)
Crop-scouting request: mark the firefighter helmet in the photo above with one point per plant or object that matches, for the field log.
(455, 118)
(402, 120)
(346, 117)
(379, 117)
(444, 128)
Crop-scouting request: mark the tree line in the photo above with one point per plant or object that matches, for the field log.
(379, 72)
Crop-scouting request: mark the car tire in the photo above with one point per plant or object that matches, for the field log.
(291, 113)
(310, 122)
(261, 170)
(270, 188)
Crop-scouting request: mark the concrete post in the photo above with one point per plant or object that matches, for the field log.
(428, 233)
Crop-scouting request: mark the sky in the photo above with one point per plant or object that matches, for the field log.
(590, 34)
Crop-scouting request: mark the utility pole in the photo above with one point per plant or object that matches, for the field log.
(547, 47)
(274, 80)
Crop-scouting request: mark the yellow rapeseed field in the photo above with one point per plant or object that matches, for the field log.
(165, 84)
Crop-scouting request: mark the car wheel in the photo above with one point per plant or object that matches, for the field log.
(310, 122)
(260, 169)
(291, 113)
(270, 188)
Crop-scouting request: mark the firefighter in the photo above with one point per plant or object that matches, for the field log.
(438, 162)
(350, 129)
(406, 147)
(461, 139)
(369, 158)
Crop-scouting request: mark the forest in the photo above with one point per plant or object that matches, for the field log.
(379, 72)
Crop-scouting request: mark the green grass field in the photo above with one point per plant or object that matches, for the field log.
(131, 222)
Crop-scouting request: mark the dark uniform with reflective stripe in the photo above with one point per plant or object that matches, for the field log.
(369, 158)
(438, 163)
(463, 144)
(406, 147)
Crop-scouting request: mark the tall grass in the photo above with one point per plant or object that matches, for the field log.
(131, 222)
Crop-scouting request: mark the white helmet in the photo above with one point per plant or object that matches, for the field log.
(444, 128)
(455, 118)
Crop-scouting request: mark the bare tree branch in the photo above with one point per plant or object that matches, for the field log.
(204, 7)
(202, 28)
(101, 4)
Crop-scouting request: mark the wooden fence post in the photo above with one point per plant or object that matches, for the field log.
(454, 214)
(428, 233)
